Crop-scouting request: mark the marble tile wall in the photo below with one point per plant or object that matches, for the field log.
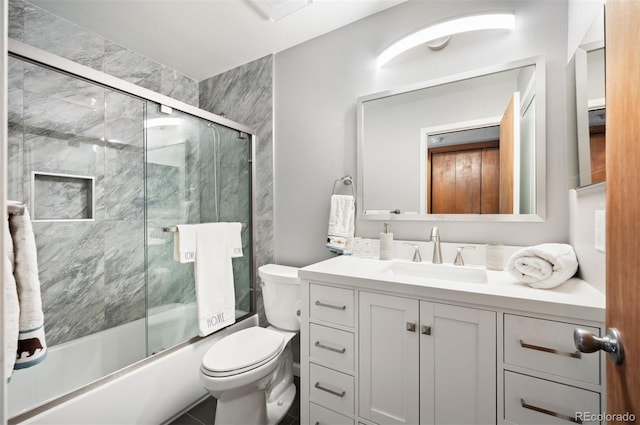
(39, 28)
(63, 125)
(245, 94)
(62, 197)
(233, 175)
(207, 176)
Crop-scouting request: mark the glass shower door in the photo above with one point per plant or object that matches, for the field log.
(196, 172)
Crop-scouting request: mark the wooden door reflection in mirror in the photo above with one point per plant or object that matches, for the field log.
(465, 179)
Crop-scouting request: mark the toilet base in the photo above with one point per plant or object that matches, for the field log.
(252, 406)
(262, 412)
(279, 407)
(262, 402)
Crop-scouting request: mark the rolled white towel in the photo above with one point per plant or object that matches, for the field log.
(544, 266)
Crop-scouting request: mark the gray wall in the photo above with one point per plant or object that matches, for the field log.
(316, 87)
(584, 203)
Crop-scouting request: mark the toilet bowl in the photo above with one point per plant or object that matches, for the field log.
(250, 372)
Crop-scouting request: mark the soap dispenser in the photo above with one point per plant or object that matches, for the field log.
(386, 243)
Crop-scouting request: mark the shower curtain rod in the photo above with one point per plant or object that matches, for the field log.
(174, 229)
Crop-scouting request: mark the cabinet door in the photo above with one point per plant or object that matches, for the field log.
(388, 359)
(457, 365)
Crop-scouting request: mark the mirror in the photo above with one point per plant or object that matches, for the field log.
(467, 147)
(589, 62)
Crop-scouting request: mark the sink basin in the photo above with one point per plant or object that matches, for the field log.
(471, 274)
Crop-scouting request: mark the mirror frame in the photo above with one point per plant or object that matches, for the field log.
(583, 177)
(540, 146)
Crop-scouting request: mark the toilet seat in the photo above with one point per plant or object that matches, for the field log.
(242, 351)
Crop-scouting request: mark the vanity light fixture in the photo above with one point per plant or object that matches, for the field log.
(437, 36)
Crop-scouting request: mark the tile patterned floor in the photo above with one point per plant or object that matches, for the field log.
(204, 413)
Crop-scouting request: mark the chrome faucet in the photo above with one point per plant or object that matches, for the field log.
(459, 261)
(417, 257)
(437, 253)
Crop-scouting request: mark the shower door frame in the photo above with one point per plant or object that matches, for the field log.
(20, 50)
(43, 58)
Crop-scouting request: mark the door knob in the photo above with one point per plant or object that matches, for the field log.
(586, 342)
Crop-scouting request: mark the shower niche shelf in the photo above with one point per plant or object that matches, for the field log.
(62, 197)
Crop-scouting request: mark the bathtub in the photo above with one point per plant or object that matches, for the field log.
(74, 364)
(149, 391)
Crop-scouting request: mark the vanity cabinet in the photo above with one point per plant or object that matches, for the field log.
(457, 365)
(546, 380)
(424, 362)
(389, 358)
(330, 354)
(387, 350)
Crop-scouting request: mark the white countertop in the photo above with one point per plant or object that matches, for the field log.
(573, 299)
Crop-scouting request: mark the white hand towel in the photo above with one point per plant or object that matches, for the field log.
(216, 244)
(544, 266)
(32, 348)
(341, 224)
(235, 239)
(184, 243)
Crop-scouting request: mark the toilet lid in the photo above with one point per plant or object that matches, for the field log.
(243, 350)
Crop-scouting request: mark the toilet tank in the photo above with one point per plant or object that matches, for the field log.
(281, 294)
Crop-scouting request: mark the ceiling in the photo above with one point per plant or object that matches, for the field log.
(202, 38)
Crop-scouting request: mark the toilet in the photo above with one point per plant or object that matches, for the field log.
(250, 372)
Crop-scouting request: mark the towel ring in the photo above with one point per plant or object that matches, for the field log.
(347, 181)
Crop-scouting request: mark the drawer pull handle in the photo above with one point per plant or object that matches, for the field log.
(550, 412)
(425, 330)
(337, 307)
(329, 390)
(575, 354)
(340, 350)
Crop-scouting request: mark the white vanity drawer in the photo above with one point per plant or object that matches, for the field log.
(319, 415)
(547, 346)
(331, 388)
(529, 400)
(330, 304)
(332, 346)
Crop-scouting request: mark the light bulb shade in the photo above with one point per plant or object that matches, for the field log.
(443, 29)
